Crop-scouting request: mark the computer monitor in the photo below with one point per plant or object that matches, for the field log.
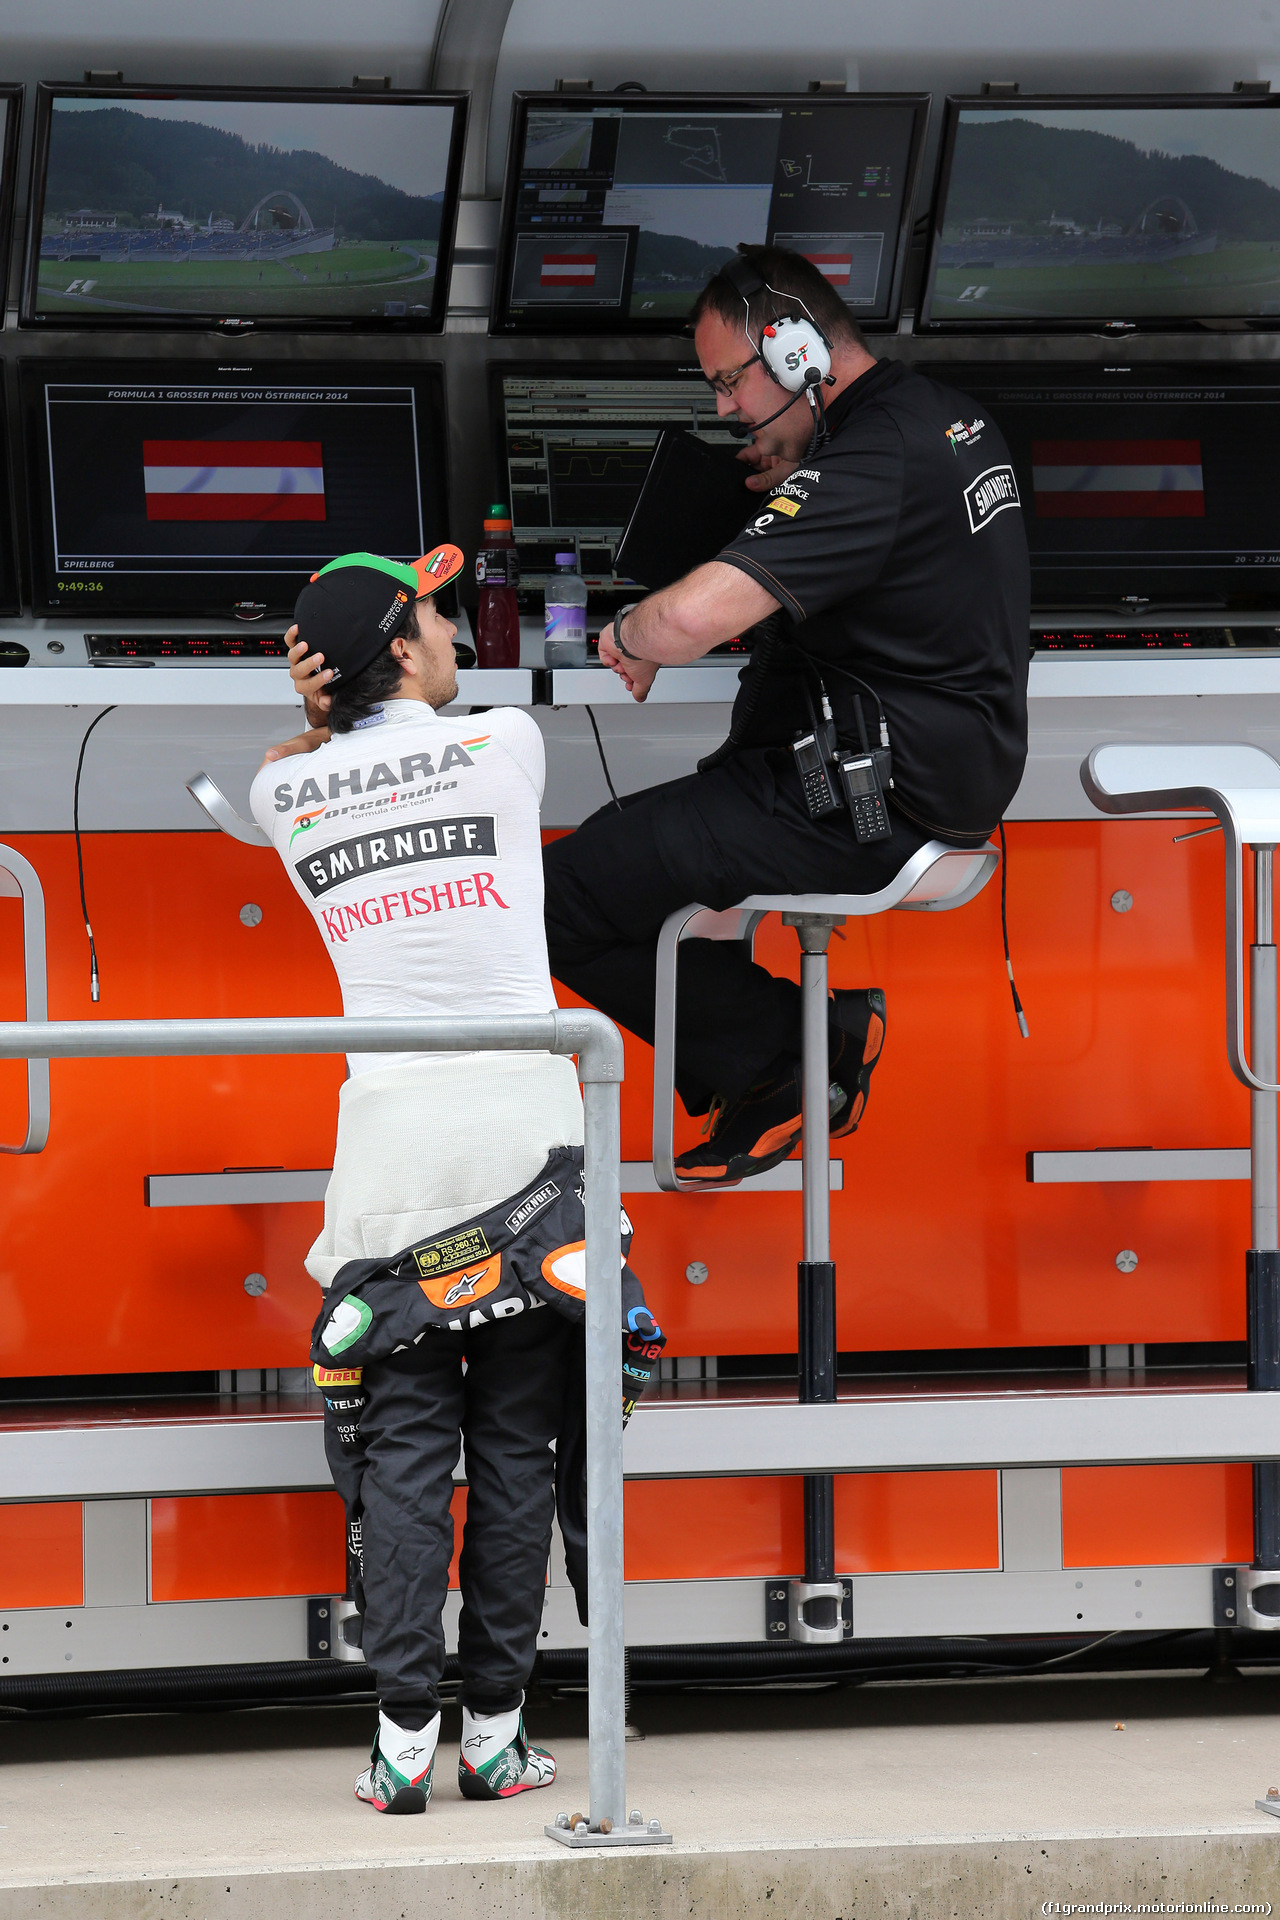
(203, 490)
(1146, 486)
(242, 207)
(1076, 212)
(573, 448)
(618, 208)
(10, 582)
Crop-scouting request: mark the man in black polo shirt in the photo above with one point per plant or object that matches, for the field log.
(890, 559)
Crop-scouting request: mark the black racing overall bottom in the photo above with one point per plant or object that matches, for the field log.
(472, 1341)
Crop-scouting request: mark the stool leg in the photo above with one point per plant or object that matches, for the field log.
(816, 1302)
(1263, 1261)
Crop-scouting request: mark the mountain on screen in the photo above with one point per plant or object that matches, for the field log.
(670, 256)
(131, 164)
(1013, 170)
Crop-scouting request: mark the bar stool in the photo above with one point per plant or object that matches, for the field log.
(937, 878)
(1240, 785)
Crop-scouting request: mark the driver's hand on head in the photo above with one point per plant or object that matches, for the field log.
(310, 676)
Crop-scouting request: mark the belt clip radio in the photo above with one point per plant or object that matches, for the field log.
(815, 753)
(864, 775)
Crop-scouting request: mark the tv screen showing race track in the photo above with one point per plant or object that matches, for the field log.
(617, 212)
(166, 209)
(214, 494)
(1079, 213)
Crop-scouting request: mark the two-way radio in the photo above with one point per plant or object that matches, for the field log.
(832, 776)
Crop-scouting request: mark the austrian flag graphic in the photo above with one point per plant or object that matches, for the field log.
(568, 269)
(835, 267)
(233, 479)
(1117, 479)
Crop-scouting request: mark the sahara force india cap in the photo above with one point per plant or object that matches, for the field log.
(355, 606)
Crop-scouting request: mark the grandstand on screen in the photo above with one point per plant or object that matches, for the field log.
(277, 228)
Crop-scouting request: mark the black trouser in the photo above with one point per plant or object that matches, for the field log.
(715, 838)
(508, 1406)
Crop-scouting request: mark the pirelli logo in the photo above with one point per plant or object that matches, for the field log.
(370, 854)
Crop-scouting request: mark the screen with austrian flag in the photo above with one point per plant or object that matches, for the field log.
(1138, 484)
(617, 210)
(221, 493)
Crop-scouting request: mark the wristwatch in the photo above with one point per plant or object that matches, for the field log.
(618, 619)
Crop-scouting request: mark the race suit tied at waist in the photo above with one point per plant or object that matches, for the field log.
(522, 1256)
(526, 1253)
(693, 502)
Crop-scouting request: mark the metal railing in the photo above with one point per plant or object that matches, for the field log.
(598, 1046)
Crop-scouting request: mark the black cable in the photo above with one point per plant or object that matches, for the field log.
(603, 762)
(1023, 1029)
(75, 821)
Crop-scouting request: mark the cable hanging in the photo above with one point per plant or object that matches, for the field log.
(75, 821)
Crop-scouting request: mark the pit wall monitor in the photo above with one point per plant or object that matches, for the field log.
(1082, 212)
(242, 207)
(1142, 488)
(10, 583)
(573, 448)
(617, 209)
(197, 490)
(11, 99)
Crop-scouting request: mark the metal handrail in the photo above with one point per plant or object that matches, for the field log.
(1248, 816)
(598, 1045)
(35, 968)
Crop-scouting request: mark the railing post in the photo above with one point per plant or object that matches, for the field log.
(606, 1672)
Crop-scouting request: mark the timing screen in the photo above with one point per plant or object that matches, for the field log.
(172, 208)
(577, 454)
(1124, 483)
(1110, 213)
(623, 213)
(211, 482)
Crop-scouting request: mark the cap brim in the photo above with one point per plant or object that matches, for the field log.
(437, 568)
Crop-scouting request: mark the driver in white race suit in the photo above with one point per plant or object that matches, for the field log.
(413, 838)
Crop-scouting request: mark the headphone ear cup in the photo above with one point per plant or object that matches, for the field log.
(792, 351)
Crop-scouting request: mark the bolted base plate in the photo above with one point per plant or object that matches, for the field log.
(626, 1835)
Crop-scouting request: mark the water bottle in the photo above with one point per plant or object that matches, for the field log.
(566, 635)
(498, 576)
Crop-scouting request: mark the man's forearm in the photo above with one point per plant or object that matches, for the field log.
(714, 603)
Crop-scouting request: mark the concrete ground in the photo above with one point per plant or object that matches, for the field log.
(941, 1799)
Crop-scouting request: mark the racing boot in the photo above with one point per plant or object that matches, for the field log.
(398, 1776)
(495, 1760)
(855, 1036)
(763, 1127)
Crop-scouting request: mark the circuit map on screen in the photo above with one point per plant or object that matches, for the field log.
(617, 214)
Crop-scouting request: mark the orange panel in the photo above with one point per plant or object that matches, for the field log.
(908, 1522)
(939, 1239)
(243, 1546)
(42, 1555)
(1156, 1516)
(885, 1523)
(240, 1546)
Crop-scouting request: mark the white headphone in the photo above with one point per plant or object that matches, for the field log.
(795, 352)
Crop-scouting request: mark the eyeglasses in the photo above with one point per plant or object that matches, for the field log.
(726, 382)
